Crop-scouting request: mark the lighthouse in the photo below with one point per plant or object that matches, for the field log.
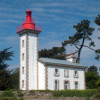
(28, 33)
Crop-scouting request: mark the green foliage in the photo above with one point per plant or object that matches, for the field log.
(92, 69)
(55, 52)
(5, 75)
(33, 91)
(72, 93)
(5, 55)
(14, 79)
(7, 93)
(97, 95)
(10, 98)
(20, 94)
(83, 33)
(91, 79)
(97, 21)
(98, 83)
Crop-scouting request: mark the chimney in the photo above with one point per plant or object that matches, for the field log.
(71, 58)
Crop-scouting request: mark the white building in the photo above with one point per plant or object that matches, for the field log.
(44, 73)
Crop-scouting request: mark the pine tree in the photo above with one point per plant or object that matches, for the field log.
(5, 74)
(97, 21)
(83, 33)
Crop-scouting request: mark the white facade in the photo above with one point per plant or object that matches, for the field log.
(48, 77)
(28, 61)
(71, 79)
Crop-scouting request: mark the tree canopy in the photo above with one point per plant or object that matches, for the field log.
(83, 33)
(97, 21)
(55, 52)
(5, 74)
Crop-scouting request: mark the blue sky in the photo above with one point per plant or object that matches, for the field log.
(56, 17)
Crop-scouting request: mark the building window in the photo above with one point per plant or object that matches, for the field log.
(22, 83)
(22, 43)
(76, 85)
(66, 85)
(22, 56)
(76, 74)
(66, 72)
(56, 84)
(23, 70)
(56, 73)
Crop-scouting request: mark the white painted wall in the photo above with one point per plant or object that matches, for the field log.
(32, 61)
(69, 59)
(61, 78)
(41, 69)
(23, 63)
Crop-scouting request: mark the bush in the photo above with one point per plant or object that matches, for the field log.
(33, 91)
(20, 94)
(72, 93)
(7, 93)
(97, 94)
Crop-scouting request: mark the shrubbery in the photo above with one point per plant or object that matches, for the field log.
(59, 93)
(72, 93)
(7, 93)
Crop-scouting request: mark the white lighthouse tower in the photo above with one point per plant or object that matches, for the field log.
(28, 33)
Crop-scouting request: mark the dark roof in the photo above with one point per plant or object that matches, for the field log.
(60, 62)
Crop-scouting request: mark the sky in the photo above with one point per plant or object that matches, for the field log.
(56, 17)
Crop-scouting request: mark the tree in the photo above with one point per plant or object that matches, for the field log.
(14, 79)
(5, 74)
(83, 33)
(91, 79)
(92, 69)
(97, 21)
(55, 52)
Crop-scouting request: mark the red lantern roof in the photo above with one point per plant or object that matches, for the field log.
(29, 23)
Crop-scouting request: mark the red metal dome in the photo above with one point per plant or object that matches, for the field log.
(29, 23)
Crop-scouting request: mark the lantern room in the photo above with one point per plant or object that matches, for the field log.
(29, 23)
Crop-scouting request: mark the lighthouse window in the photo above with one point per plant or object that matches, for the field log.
(23, 70)
(22, 56)
(22, 83)
(22, 43)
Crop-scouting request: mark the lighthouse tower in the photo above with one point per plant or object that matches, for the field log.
(28, 33)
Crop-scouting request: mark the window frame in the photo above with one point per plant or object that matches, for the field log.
(68, 84)
(56, 74)
(23, 69)
(56, 87)
(77, 85)
(22, 43)
(77, 75)
(22, 56)
(22, 83)
(65, 73)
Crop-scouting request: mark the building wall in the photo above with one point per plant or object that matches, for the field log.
(30, 61)
(41, 77)
(23, 63)
(32, 46)
(51, 78)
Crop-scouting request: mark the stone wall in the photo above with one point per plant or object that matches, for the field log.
(60, 98)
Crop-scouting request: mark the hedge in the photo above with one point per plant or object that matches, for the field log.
(7, 93)
(72, 93)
